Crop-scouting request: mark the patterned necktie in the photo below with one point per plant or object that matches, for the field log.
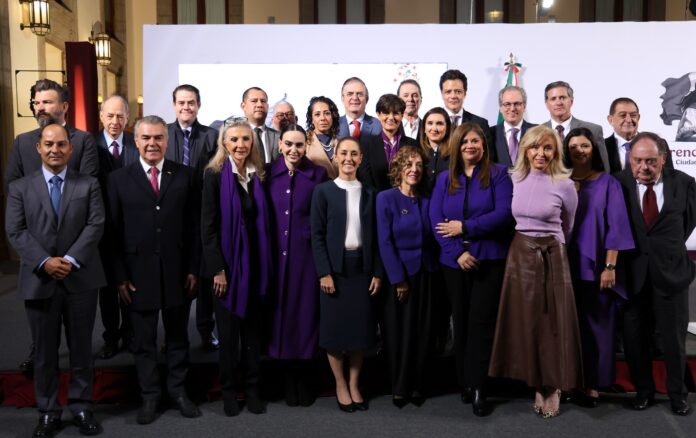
(627, 155)
(649, 205)
(513, 145)
(259, 135)
(560, 130)
(153, 180)
(356, 129)
(455, 121)
(56, 182)
(187, 147)
(114, 151)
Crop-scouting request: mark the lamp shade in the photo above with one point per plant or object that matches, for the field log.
(39, 17)
(102, 47)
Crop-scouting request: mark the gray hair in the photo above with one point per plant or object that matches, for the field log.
(150, 120)
(117, 97)
(557, 84)
(512, 88)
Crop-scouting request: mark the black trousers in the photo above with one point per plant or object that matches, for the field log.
(114, 315)
(474, 297)
(204, 307)
(144, 349)
(653, 308)
(235, 332)
(76, 312)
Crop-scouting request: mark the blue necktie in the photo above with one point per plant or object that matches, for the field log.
(187, 149)
(627, 156)
(56, 181)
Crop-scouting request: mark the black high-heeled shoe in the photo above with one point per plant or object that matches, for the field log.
(349, 408)
(400, 402)
(478, 404)
(361, 406)
(467, 395)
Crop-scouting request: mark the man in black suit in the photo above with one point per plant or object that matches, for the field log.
(453, 86)
(116, 149)
(255, 107)
(623, 117)
(153, 205)
(54, 219)
(506, 136)
(192, 144)
(662, 207)
(49, 103)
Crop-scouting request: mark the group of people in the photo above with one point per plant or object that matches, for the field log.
(326, 239)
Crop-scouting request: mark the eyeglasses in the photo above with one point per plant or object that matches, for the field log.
(508, 105)
(234, 119)
(287, 115)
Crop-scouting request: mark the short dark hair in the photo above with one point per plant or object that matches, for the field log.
(248, 90)
(612, 107)
(46, 85)
(596, 163)
(662, 146)
(409, 81)
(453, 75)
(53, 122)
(187, 87)
(390, 103)
(558, 84)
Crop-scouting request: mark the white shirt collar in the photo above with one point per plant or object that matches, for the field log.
(109, 139)
(146, 167)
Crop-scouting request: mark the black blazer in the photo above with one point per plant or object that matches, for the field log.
(483, 123)
(329, 225)
(613, 152)
(374, 169)
(156, 239)
(24, 160)
(661, 249)
(500, 152)
(202, 146)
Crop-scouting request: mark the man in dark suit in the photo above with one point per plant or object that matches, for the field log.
(116, 149)
(623, 117)
(409, 91)
(49, 103)
(662, 207)
(558, 97)
(453, 86)
(54, 219)
(506, 136)
(192, 144)
(255, 107)
(153, 205)
(355, 122)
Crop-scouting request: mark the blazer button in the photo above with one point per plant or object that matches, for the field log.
(287, 191)
(157, 207)
(285, 232)
(285, 253)
(287, 211)
(159, 230)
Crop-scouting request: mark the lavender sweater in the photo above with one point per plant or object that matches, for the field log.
(543, 206)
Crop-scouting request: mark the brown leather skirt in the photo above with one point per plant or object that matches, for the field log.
(537, 338)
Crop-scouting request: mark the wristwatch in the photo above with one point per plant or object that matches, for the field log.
(610, 266)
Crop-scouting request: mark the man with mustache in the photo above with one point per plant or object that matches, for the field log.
(153, 205)
(624, 117)
(49, 102)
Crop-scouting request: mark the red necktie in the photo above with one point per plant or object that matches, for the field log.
(153, 180)
(649, 205)
(356, 129)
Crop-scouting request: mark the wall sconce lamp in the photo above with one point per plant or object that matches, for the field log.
(542, 7)
(102, 45)
(36, 16)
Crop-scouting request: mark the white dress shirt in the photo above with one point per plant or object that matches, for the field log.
(353, 190)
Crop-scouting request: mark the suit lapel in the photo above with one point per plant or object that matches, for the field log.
(41, 189)
(66, 196)
(138, 175)
(167, 175)
(502, 146)
(668, 194)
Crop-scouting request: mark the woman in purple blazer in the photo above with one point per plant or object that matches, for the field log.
(470, 210)
(294, 298)
(406, 245)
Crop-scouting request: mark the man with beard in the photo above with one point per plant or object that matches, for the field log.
(49, 104)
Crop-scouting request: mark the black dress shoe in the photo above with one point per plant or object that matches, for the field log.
(587, 401)
(187, 408)
(147, 412)
(27, 365)
(253, 401)
(642, 401)
(680, 407)
(400, 402)
(361, 406)
(350, 407)
(108, 351)
(467, 395)
(48, 426)
(231, 407)
(305, 392)
(478, 404)
(87, 424)
(210, 342)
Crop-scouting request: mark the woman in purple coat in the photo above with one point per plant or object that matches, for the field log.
(406, 245)
(470, 210)
(601, 230)
(294, 302)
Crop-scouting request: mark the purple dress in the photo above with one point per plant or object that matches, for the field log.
(601, 223)
(294, 300)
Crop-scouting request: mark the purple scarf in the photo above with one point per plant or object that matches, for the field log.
(235, 242)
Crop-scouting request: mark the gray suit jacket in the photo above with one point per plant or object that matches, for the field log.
(272, 139)
(24, 159)
(370, 126)
(34, 232)
(598, 134)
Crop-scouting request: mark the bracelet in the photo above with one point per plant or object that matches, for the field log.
(610, 266)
